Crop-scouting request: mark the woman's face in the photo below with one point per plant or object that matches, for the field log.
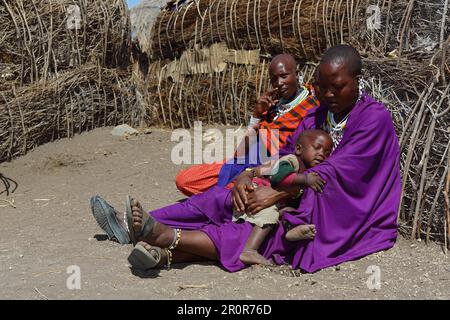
(284, 79)
(338, 89)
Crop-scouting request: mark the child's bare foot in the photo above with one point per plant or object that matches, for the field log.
(249, 257)
(301, 232)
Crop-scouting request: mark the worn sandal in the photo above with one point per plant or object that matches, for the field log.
(143, 259)
(105, 215)
(147, 222)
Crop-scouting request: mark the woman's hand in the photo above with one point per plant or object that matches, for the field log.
(242, 187)
(261, 198)
(265, 102)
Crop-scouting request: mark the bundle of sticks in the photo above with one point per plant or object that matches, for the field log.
(76, 100)
(418, 96)
(43, 37)
(303, 28)
(62, 70)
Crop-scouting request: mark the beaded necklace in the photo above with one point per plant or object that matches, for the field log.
(284, 107)
(336, 130)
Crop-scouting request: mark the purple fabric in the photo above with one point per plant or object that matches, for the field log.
(355, 215)
(357, 212)
(211, 212)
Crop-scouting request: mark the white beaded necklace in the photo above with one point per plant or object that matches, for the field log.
(335, 129)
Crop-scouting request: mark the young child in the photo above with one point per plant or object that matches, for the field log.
(313, 147)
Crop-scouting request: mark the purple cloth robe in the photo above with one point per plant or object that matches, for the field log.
(211, 212)
(354, 216)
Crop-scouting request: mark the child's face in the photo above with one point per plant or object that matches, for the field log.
(315, 149)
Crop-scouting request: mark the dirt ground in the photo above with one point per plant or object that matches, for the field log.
(52, 228)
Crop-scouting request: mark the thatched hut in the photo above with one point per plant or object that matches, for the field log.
(46, 37)
(62, 70)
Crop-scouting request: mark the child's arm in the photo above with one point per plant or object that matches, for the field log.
(311, 180)
(286, 174)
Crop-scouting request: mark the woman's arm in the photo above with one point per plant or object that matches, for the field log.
(243, 185)
(264, 197)
(243, 189)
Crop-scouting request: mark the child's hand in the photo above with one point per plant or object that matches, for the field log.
(315, 182)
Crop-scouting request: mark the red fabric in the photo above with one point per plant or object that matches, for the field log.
(261, 182)
(288, 180)
(287, 123)
(198, 178)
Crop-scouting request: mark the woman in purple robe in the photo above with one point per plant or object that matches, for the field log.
(354, 216)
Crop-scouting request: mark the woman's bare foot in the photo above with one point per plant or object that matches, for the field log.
(301, 232)
(160, 236)
(249, 257)
(137, 216)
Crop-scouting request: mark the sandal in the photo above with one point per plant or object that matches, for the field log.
(105, 215)
(147, 222)
(143, 259)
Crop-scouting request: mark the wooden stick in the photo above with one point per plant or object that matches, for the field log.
(447, 212)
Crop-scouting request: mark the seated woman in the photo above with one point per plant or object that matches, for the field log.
(281, 110)
(354, 216)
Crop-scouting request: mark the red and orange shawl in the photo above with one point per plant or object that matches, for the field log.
(287, 123)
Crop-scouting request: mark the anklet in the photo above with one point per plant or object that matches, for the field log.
(169, 258)
(176, 238)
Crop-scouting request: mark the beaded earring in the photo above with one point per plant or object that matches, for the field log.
(361, 87)
(301, 80)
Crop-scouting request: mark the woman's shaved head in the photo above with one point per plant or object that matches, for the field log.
(337, 79)
(344, 55)
(286, 59)
(283, 76)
